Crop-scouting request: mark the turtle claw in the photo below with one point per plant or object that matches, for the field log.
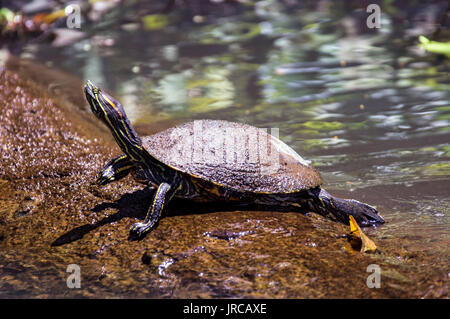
(138, 231)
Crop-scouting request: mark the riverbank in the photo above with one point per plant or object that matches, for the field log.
(53, 215)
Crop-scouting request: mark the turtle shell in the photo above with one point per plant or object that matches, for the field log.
(234, 155)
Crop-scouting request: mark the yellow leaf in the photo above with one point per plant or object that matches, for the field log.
(359, 240)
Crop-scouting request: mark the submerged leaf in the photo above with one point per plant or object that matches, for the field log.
(358, 240)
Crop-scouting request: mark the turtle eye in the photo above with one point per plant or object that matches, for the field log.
(95, 90)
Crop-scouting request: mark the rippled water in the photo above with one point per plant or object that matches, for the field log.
(369, 108)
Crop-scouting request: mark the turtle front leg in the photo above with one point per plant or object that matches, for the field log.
(162, 196)
(115, 169)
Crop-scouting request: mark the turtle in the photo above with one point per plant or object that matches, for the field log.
(216, 161)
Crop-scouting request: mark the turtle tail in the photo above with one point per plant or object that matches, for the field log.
(341, 209)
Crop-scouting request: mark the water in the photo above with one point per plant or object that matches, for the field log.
(368, 107)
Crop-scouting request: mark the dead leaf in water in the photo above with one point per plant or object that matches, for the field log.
(358, 240)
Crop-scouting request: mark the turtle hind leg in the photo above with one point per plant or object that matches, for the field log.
(341, 209)
(162, 196)
(115, 169)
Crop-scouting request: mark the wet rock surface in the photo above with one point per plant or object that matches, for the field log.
(53, 215)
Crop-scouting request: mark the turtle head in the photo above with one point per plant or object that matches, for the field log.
(103, 105)
(110, 111)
